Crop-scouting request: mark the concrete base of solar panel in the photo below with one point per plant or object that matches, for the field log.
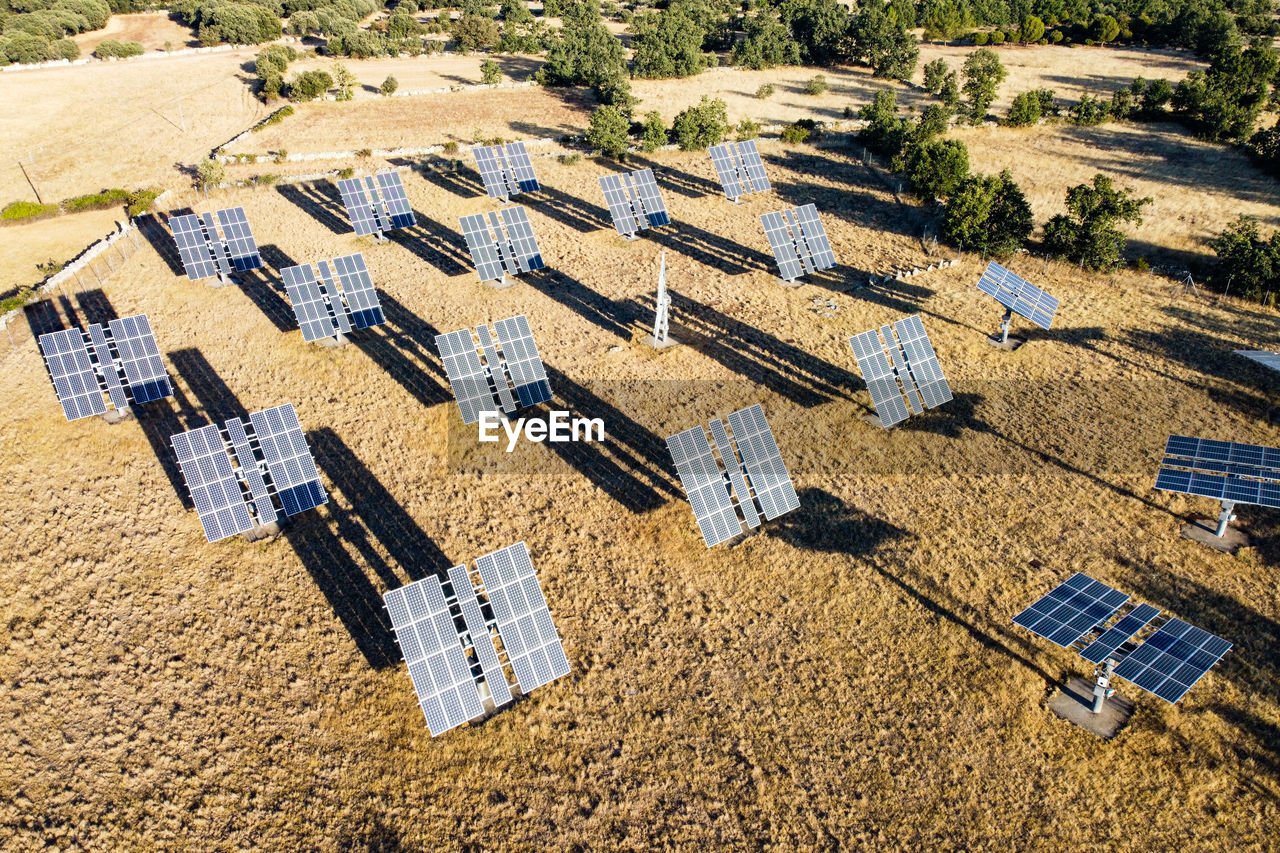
(657, 344)
(115, 416)
(1073, 702)
(261, 531)
(1009, 346)
(332, 343)
(1204, 530)
(220, 281)
(502, 283)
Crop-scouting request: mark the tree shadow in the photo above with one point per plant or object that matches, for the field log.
(518, 67)
(758, 356)
(153, 227)
(404, 347)
(321, 200)
(434, 243)
(619, 318)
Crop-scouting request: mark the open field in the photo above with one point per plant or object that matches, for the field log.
(152, 30)
(848, 679)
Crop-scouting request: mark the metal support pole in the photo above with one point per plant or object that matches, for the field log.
(1005, 322)
(1102, 687)
(1225, 517)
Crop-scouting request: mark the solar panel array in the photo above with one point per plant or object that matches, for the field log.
(739, 168)
(799, 242)
(634, 201)
(506, 170)
(513, 365)
(753, 472)
(1263, 357)
(272, 440)
(1222, 470)
(1018, 295)
(323, 308)
(501, 242)
(444, 677)
(376, 203)
(900, 365)
(1166, 664)
(216, 243)
(83, 366)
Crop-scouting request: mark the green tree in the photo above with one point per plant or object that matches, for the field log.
(987, 214)
(516, 12)
(653, 134)
(819, 27)
(667, 44)
(983, 74)
(585, 53)
(701, 126)
(344, 81)
(607, 132)
(935, 75)
(1032, 30)
(816, 85)
(1226, 100)
(309, 85)
(490, 73)
(1087, 234)
(936, 167)
(389, 86)
(1028, 107)
(1246, 260)
(1104, 28)
(209, 173)
(933, 123)
(882, 42)
(475, 32)
(949, 94)
(886, 132)
(767, 43)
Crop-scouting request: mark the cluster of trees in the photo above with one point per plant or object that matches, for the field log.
(230, 21)
(273, 61)
(1248, 264)
(38, 30)
(698, 127)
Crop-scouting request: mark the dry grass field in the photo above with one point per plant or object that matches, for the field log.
(847, 679)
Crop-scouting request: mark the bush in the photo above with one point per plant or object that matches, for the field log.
(987, 214)
(983, 73)
(210, 173)
(795, 133)
(933, 123)
(344, 82)
(1087, 234)
(118, 49)
(17, 211)
(346, 172)
(816, 85)
(309, 85)
(1032, 29)
(748, 129)
(997, 37)
(981, 38)
(935, 168)
(1248, 261)
(490, 73)
(607, 132)
(140, 201)
(389, 86)
(275, 118)
(1104, 29)
(765, 91)
(475, 32)
(1029, 107)
(1055, 37)
(450, 149)
(701, 126)
(569, 159)
(653, 133)
(886, 132)
(95, 201)
(935, 74)
(1090, 111)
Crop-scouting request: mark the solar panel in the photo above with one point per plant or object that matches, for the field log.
(325, 310)
(654, 208)
(355, 198)
(376, 203)
(798, 240)
(357, 290)
(496, 371)
(309, 304)
(1172, 659)
(238, 236)
(501, 243)
(1222, 470)
(428, 639)
(1018, 295)
(289, 462)
(214, 489)
(739, 168)
(783, 245)
(1072, 609)
(250, 472)
(395, 203)
(753, 472)
(74, 380)
(467, 377)
(524, 622)
(815, 237)
(901, 365)
(506, 170)
(106, 367)
(193, 246)
(618, 199)
(481, 639)
(1266, 359)
(140, 358)
(1117, 635)
(523, 362)
(634, 201)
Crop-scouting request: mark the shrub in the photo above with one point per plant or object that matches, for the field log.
(607, 132)
(309, 85)
(1032, 29)
(281, 156)
(653, 133)
(795, 133)
(16, 211)
(886, 132)
(1104, 29)
(389, 86)
(344, 81)
(816, 85)
(346, 172)
(140, 201)
(1087, 235)
(935, 168)
(450, 149)
(765, 91)
(1028, 107)
(748, 129)
(475, 32)
(935, 73)
(933, 123)
(1055, 36)
(701, 126)
(987, 214)
(490, 73)
(275, 118)
(1089, 111)
(210, 173)
(118, 49)
(95, 201)
(1246, 259)
(997, 37)
(981, 38)
(569, 159)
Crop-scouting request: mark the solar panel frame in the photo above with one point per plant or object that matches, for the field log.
(519, 233)
(528, 633)
(481, 639)
(620, 205)
(251, 473)
(704, 485)
(467, 377)
(1222, 470)
(238, 239)
(358, 292)
(288, 458)
(733, 467)
(355, 197)
(70, 369)
(140, 358)
(211, 482)
(107, 371)
(489, 261)
(1170, 661)
(193, 246)
(766, 471)
(522, 361)
(1072, 609)
(880, 377)
(398, 212)
(309, 304)
(433, 654)
(1106, 643)
(1018, 295)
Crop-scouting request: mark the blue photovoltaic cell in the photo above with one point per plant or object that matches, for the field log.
(1117, 635)
(704, 485)
(140, 357)
(763, 461)
(1071, 610)
(107, 366)
(1017, 294)
(355, 197)
(734, 468)
(193, 246)
(1172, 659)
(799, 241)
(467, 376)
(522, 361)
(739, 168)
(396, 204)
(241, 247)
(524, 621)
(1222, 470)
(214, 489)
(72, 373)
(901, 370)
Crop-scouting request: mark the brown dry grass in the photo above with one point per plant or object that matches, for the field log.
(850, 678)
(59, 239)
(152, 30)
